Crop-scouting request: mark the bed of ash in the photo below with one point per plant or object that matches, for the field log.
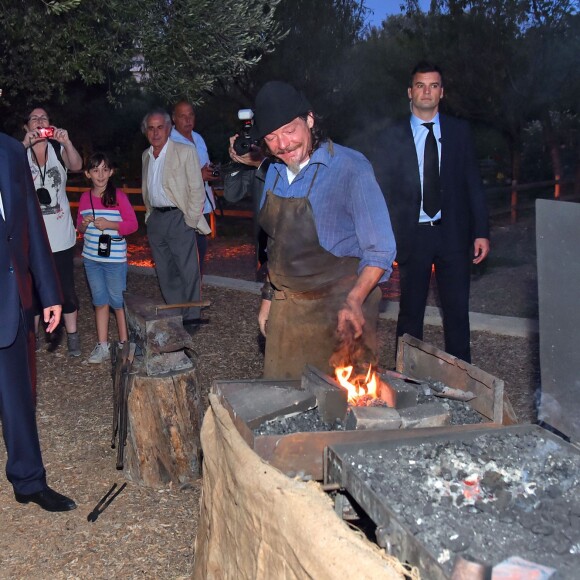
(461, 413)
(490, 498)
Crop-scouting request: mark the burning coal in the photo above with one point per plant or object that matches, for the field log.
(354, 365)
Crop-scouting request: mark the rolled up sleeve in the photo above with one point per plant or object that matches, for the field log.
(372, 222)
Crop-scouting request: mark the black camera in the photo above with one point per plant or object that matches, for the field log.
(243, 143)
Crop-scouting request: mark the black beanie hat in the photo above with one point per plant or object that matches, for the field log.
(277, 103)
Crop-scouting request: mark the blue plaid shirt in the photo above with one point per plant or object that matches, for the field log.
(349, 208)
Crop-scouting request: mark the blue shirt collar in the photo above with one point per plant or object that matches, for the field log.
(416, 122)
(179, 138)
(323, 155)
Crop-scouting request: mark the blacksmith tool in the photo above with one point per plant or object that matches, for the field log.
(443, 391)
(396, 375)
(198, 304)
(158, 331)
(105, 502)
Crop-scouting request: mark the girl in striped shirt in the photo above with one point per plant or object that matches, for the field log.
(105, 211)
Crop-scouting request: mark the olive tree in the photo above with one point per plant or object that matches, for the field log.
(174, 48)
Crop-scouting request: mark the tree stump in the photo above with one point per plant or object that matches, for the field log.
(164, 421)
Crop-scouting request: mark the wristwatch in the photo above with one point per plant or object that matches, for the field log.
(267, 291)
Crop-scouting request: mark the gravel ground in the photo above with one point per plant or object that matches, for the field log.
(147, 533)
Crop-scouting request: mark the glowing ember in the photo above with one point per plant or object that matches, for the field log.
(358, 386)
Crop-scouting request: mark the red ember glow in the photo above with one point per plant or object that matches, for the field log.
(357, 386)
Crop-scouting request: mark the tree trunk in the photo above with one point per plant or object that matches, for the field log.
(164, 417)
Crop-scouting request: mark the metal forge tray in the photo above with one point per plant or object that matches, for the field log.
(252, 402)
(342, 470)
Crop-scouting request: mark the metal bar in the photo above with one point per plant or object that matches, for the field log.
(198, 304)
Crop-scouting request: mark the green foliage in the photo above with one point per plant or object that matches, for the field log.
(319, 34)
(506, 63)
(177, 47)
(56, 7)
(191, 44)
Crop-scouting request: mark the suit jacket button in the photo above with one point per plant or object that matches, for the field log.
(11, 270)
(9, 238)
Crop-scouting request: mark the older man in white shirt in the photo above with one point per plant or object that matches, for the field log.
(174, 195)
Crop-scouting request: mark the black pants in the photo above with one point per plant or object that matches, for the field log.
(452, 274)
(64, 263)
(202, 244)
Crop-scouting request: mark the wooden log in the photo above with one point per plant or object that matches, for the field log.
(164, 415)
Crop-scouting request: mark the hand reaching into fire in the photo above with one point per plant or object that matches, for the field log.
(350, 317)
(263, 315)
(351, 320)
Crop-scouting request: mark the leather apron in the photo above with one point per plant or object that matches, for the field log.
(311, 284)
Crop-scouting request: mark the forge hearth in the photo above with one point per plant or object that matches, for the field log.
(464, 492)
(289, 423)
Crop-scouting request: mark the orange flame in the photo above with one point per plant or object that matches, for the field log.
(357, 386)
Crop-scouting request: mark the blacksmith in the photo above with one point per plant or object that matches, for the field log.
(330, 240)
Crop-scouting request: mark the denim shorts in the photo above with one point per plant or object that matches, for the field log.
(107, 281)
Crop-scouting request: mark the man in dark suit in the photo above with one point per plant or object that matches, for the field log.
(25, 257)
(428, 172)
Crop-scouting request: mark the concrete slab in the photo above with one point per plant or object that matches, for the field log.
(502, 325)
(397, 393)
(427, 415)
(332, 399)
(367, 418)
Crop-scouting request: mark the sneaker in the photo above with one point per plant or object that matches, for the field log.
(100, 354)
(74, 344)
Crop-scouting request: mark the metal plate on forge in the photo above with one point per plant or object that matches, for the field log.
(558, 240)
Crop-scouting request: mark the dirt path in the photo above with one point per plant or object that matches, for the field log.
(147, 533)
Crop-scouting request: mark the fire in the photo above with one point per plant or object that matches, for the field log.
(357, 386)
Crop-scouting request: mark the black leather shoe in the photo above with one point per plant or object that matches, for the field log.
(48, 500)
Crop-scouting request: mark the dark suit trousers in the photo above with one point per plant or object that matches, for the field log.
(452, 273)
(174, 248)
(24, 468)
(202, 244)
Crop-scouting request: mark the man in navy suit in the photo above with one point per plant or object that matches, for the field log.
(25, 258)
(439, 220)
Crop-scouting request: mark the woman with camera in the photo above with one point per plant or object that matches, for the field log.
(50, 155)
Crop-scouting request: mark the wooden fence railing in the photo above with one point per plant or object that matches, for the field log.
(511, 191)
(514, 189)
(218, 193)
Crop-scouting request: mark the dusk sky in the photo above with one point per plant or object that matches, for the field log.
(383, 7)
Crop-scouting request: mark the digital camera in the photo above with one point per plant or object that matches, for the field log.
(243, 143)
(45, 132)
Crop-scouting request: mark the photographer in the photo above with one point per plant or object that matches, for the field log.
(246, 176)
(50, 155)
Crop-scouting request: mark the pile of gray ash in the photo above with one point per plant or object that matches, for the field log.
(306, 422)
(492, 497)
(461, 413)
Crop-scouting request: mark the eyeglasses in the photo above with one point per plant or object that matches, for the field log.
(35, 118)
